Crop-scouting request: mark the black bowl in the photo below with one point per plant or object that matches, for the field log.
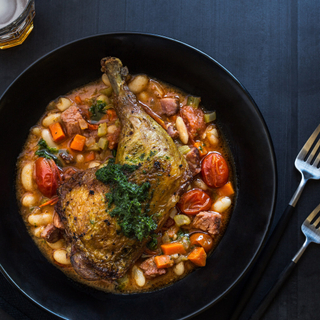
(242, 124)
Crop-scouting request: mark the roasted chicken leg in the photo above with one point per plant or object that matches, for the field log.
(100, 249)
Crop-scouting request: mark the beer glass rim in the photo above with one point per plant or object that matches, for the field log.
(17, 20)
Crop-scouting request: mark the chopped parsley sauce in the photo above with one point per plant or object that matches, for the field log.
(129, 199)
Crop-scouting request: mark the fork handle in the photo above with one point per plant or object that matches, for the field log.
(272, 292)
(262, 261)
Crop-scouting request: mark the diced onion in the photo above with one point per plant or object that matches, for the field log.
(63, 104)
(106, 91)
(103, 143)
(184, 149)
(102, 129)
(209, 117)
(173, 212)
(181, 220)
(193, 101)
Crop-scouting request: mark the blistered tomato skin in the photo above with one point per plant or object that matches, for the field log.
(47, 176)
(194, 201)
(214, 170)
(203, 240)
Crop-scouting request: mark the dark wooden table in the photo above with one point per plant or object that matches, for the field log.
(272, 47)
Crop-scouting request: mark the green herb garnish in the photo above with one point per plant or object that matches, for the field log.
(128, 199)
(47, 152)
(152, 245)
(44, 146)
(97, 110)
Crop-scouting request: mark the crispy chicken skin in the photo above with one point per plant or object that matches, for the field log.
(99, 248)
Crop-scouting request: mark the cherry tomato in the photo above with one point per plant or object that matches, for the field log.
(194, 201)
(47, 176)
(203, 240)
(214, 169)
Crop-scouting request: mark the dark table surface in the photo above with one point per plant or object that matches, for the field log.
(273, 48)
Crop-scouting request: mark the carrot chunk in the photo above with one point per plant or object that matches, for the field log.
(50, 202)
(163, 261)
(78, 142)
(198, 256)
(172, 248)
(226, 190)
(202, 148)
(89, 156)
(57, 132)
(78, 99)
(111, 114)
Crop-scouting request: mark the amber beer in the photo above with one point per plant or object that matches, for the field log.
(16, 21)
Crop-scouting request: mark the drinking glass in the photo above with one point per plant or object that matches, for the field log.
(16, 21)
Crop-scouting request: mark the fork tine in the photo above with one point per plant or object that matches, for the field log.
(316, 162)
(315, 224)
(313, 152)
(313, 214)
(308, 144)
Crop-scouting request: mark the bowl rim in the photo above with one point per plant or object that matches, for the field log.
(265, 129)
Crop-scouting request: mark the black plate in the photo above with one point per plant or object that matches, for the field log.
(191, 70)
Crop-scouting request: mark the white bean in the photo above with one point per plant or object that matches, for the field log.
(63, 104)
(57, 245)
(27, 176)
(143, 96)
(46, 136)
(138, 84)
(93, 164)
(36, 131)
(60, 255)
(183, 132)
(112, 129)
(212, 135)
(106, 80)
(40, 219)
(80, 158)
(29, 199)
(199, 183)
(179, 268)
(138, 276)
(222, 204)
(173, 212)
(103, 98)
(50, 119)
(37, 231)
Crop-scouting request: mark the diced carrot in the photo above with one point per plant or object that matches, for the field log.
(173, 247)
(226, 190)
(78, 142)
(78, 99)
(163, 261)
(93, 126)
(50, 202)
(57, 132)
(202, 148)
(89, 156)
(111, 114)
(198, 256)
(173, 118)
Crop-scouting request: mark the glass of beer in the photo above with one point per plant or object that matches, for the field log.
(16, 21)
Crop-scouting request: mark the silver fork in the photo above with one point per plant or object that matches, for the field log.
(310, 228)
(307, 167)
(306, 163)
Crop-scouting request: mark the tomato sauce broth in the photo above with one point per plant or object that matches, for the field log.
(37, 208)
